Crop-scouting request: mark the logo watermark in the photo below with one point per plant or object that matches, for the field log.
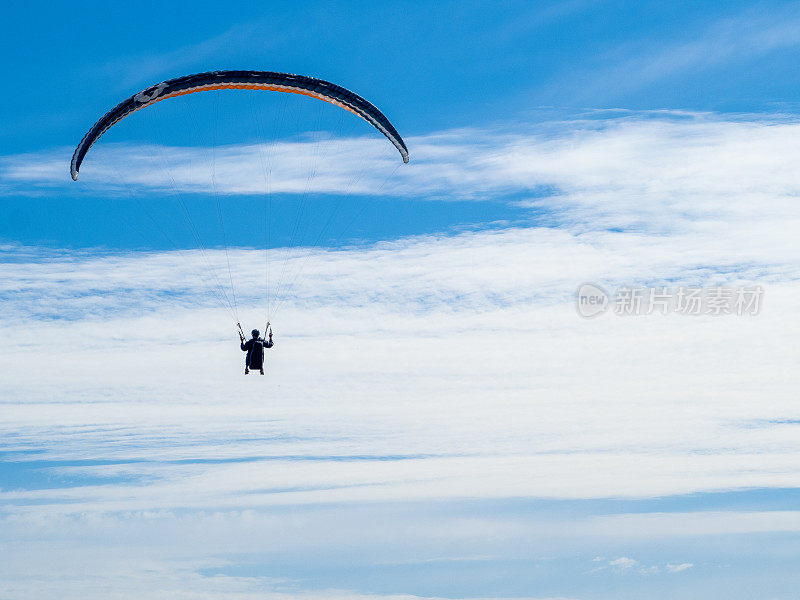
(592, 301)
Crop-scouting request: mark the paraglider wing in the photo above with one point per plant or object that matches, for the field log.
(243, 80)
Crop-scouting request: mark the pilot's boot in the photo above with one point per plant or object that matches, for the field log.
(246, 370)
(262, 371)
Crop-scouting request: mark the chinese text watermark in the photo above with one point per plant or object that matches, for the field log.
(592, 300)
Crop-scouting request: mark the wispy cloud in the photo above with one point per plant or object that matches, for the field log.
(499, 301)
(713, 203)
(633, 170)
(145, 68)
(634, 65)
(624, 564)
(428, 369)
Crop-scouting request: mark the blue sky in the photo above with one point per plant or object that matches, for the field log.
(437, 421)
(432, 69)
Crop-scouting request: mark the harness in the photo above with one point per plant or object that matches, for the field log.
(256, 343)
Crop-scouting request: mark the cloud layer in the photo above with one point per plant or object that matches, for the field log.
(430, 371)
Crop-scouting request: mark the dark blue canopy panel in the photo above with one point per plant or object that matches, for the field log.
(240, 80)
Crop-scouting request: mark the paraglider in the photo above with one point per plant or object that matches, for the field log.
(255, 349)
(255, 81)
(240, 80)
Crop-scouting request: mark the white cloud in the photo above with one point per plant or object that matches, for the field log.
(433, 368)
(486, 328)
(660, 171)
(464, 313)
(678, 568)
(623, 563)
